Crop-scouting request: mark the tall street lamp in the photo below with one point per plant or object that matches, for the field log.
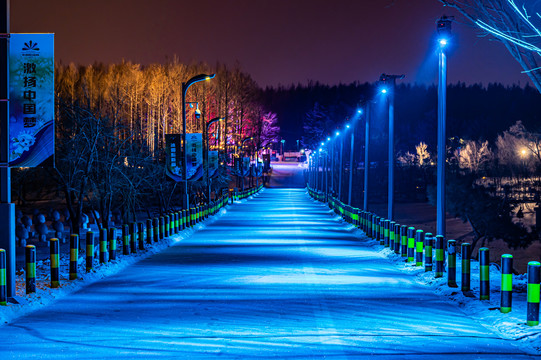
(185, 86)
(242, 158)
(316, 171)
(332, 160)
(366, 152)
(389, 89)
(206, 165)
(443, 26)
(352, 148)
(341, 166)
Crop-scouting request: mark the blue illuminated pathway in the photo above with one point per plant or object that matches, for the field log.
(275, 277)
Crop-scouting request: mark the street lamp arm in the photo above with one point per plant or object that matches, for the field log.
(197, 78)
(212, 121)
(244, 140)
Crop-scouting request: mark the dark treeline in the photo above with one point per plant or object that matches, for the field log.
(474, 112)
(493, 147)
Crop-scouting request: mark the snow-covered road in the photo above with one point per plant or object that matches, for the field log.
(275, 277)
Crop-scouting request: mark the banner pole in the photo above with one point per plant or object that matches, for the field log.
(7, 209)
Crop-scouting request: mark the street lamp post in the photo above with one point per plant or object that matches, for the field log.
(352, 148)
(340, 168)
(332, 164)
(316, 174)
(444, 31)
(366, 152)
(206, 165)
(326, 172)
(391, 80)
(185, 86)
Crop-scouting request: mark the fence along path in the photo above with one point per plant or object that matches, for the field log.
(276, 276)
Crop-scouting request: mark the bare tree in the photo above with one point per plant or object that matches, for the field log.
(517, 27)
(407, 159)
(474, 155)
(423, 156)
(77, 141)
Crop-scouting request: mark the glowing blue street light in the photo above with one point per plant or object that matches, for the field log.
(347, 126)
(390, 81)
(337, 133)
(383, 90)
(360, 111)
(443, 27)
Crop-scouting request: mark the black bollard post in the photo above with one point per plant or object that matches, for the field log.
(112, 244)
(419, 241)
(451, 263)
(3, 281)
(133, 237)
(74, 256)
(30, 255)
(484, 274)
(428, 251)
(89, 251)
(149, 231)
(534, 277)
(440, 257)
(126, 240)
(507, 283)
(156, 227)
(55, 263)
(466, 263)
(103, 246)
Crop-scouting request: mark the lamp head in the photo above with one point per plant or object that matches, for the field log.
(337, 133)
(443, 25)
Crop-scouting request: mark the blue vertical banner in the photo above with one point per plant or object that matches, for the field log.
(213, 163)
(194, 148)
(173, 156)
(31, 95)
(246, 166)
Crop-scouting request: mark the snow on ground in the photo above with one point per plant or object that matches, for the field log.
(487, 312)
(45, 295)
(278, 277)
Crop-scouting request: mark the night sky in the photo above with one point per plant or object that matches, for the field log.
(277, 42)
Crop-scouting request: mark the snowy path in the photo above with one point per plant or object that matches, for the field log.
(276, 277)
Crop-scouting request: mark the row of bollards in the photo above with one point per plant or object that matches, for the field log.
(417, 247)
(133, 238)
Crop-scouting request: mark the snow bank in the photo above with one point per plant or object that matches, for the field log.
(486, 312)
(45, 294)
